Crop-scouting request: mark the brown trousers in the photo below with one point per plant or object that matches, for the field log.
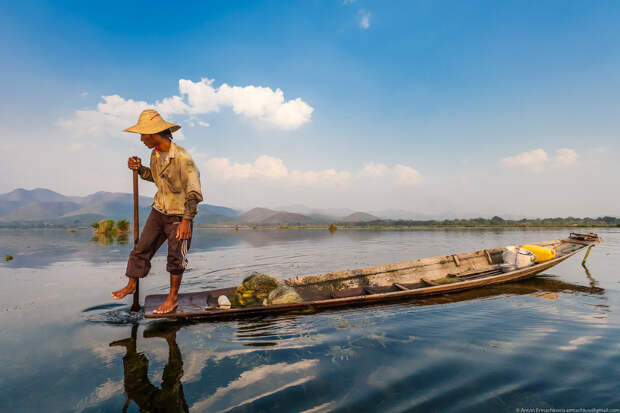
(158, 228)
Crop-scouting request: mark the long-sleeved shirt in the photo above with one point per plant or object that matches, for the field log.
(177, 180)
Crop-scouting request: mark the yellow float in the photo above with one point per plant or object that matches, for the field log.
(542, 254)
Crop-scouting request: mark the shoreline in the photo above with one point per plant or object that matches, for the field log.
(338, 227)
(326, 227)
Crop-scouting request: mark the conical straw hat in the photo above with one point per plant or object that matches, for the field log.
(151, 122)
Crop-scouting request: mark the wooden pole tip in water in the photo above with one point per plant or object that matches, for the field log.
(136, 235)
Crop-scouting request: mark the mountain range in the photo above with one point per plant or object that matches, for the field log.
(44, 207)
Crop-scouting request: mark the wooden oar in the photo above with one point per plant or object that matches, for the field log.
(136, 233)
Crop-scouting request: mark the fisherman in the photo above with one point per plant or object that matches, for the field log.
(174, 207)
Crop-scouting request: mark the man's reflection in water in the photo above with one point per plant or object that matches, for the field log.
(139, 388)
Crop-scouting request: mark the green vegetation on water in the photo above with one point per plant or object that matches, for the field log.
(106, 231)
(8, 257)
(123, 225)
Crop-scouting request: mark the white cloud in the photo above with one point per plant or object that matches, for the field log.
(263, 104)
(400, 174)
(364, 19)
(111, 116)
(407, 176)
(197, 154)
(566, 156)
(316, 177)
(269, 168)
(171, 106)
(193, 121)
(533, 158)
(374, 169)
(538, 159)
(224, 169)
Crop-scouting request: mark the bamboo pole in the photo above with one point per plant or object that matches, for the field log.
(586, 256)
(136, 233)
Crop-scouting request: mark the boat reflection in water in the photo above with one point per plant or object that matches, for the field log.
(539, 286)
(270, 332)
(138, 387)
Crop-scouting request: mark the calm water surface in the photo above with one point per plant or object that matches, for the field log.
(66, 346)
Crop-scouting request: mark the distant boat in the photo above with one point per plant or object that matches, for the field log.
(422, 277)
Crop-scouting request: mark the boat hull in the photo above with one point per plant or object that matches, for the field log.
(192, 305)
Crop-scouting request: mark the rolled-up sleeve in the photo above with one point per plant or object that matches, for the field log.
(145, 173)
(191, 181)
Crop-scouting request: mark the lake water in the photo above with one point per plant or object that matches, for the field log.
(66, 346)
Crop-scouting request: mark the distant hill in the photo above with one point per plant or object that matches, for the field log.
(327, 212)
(39, 210)
(265, 216)
(22, 196)
(289, 218)
(213, 214)
(359, 217)
(41, 207)
(12, 202)
(218, 210)
(255, 216)
(110, 204)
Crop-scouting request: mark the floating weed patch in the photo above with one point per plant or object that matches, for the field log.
(106, 232)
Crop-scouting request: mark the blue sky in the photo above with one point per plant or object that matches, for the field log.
(439, 108)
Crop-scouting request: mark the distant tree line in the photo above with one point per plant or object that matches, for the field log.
(496, 222)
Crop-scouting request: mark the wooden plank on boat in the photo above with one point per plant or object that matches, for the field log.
(401, 287)
(427, 281)
(473, 272)
(488, 257)
(349, 292)
(456, 260)
(188, 303)
(379, 289)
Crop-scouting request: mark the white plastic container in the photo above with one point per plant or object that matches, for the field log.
(223, 302)
(519, 257)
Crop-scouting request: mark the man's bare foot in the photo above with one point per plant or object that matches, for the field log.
(130, 288)
(168, 306)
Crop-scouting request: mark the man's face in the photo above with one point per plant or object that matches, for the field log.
(148, 140)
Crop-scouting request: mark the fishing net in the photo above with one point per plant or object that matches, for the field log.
(262, 289)
(283, 295)
(253, 290)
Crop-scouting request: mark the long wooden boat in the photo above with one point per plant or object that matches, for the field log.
(422, 277)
